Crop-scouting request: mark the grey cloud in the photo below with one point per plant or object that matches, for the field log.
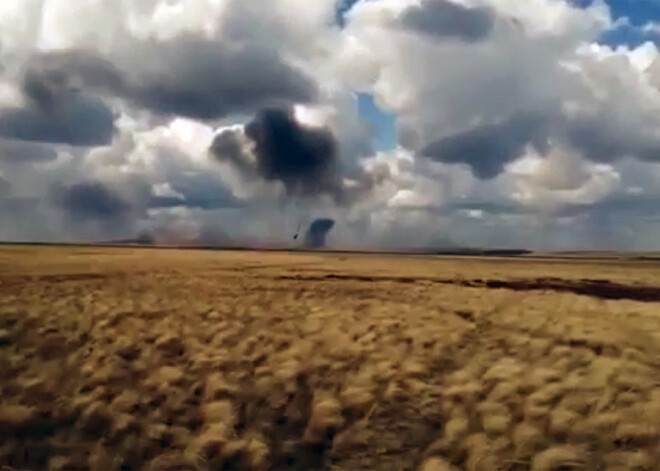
(618, 222)
(166, 202)
(44, 92)
(489, 207)
(447, 19)
(199, 191)
(48, 76)
(209, 80)
(621, 204)
(5, 188)
(76, 119)
(484, 103)
(638, 205)
(185, 76)
(17, 152)
(91, 201)
(488, 148)
(55, 111)
(22, 219)
(602, 138)
(20, 205)
(230, 146)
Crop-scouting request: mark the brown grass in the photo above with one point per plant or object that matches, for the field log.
(128, 358)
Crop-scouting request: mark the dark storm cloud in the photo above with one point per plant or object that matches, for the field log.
(48, 76)
(208, 80)
(55, 111)
(186, 76)
(91, 201)
(183, 77)
(44, 90)
(447, 19)
(76, 119)
(318, 232)
(488, 148)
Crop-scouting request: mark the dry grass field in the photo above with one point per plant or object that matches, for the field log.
(174, 359)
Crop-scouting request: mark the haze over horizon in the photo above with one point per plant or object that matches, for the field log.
(410, 123)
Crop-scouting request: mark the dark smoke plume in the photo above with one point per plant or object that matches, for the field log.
(279, 148)
(275, 146)
(301, 157)
(317, 233)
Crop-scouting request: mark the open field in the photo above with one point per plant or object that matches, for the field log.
(117, 358)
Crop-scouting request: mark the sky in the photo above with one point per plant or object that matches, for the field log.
(632, 15)
(410, 123)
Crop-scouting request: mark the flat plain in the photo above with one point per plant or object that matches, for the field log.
(128, 358)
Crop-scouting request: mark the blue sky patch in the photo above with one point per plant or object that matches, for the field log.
(381, 123)
(638, 13)
(630, 35)
(344, 6)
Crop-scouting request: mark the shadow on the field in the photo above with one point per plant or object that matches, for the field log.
(603, 289)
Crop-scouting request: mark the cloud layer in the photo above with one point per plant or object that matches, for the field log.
(224, 120)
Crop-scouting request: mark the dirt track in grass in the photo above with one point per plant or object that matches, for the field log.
(129, 358)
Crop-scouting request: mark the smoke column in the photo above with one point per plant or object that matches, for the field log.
(317, 233)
